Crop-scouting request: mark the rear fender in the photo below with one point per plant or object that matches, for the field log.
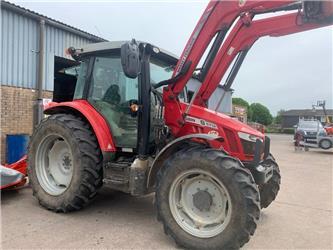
(83, 109)
(173, 147)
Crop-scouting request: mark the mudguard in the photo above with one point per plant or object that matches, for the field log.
(171, 148)
(87, 111)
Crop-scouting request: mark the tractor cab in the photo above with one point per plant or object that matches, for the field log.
(102, 82)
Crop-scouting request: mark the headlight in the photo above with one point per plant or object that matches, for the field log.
(322, 133)
(248, 137)
(248, 142)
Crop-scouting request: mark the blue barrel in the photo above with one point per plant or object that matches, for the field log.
(16, 147)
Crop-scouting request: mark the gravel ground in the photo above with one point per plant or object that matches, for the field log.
(301, 217)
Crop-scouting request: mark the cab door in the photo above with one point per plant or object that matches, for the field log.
(111, 93)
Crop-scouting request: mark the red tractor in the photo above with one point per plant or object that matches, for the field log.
(127, 123)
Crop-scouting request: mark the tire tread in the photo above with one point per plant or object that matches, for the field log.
(269, 191)
(240, 175)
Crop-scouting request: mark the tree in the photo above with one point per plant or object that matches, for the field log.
(278, 117)
(261, 114)
(241, 102)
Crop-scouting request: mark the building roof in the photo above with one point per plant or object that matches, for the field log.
(306, 112)
(60, 25)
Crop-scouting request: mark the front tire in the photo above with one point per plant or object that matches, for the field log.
(65, 163)
(207, 200)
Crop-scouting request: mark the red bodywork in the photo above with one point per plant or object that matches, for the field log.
(211, 122)
(20, 166)
(245, 31)
(329, 129)
(95, 119)
(237, 17)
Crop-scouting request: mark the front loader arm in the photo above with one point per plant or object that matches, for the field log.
(243, 36)
(217, 17)
(221, 16)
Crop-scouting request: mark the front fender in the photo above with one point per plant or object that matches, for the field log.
(89, 113)
(171, 148)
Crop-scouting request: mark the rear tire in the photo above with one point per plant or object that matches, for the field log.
(65, 163)
(269, 190)
(240, 191)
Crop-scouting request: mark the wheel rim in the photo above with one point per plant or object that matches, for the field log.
(325, 144)
(54, 164)
(200, 203)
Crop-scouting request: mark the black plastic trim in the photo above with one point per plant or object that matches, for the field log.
(257, 152)
(144, 101)
(267, 146)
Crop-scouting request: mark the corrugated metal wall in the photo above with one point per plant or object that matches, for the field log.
(20, 46)
(56, 41)
(19, 49)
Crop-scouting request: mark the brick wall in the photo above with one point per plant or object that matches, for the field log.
(16, 112)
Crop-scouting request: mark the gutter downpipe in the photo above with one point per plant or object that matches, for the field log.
(38, 107)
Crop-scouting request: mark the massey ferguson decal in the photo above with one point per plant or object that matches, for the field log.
(200, 122)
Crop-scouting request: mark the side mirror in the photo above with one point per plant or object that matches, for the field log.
(130, 59)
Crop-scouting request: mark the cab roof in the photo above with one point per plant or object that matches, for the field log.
(116, 45)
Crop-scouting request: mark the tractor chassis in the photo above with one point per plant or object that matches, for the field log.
(133, 177)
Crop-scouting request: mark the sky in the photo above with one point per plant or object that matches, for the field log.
(290, 72)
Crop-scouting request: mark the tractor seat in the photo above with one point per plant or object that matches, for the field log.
(112, 95)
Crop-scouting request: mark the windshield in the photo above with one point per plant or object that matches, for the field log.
(112, 93)
(108, 71)
(159, 71)
(81, 79)
(309, 124)
(109, 82)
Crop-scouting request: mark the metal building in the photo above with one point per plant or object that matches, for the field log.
(32, 50)
(20, 45)
(220, 101)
